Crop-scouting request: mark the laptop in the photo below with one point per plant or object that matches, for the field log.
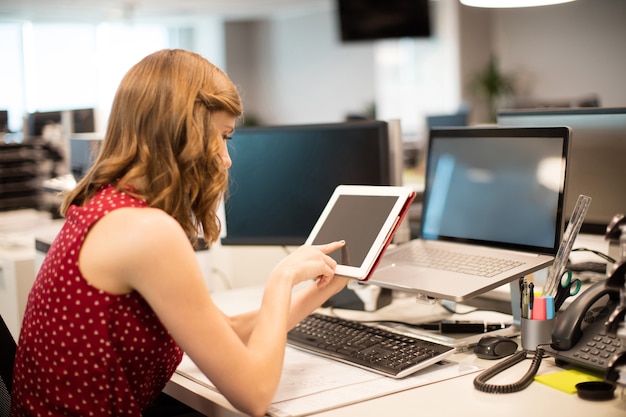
(491, 194)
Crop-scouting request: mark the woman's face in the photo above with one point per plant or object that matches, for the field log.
(224, 125)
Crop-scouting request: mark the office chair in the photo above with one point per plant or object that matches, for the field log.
(7, 359)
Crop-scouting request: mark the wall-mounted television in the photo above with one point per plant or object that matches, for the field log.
(596, 165)
(282, 176)
(361, 20)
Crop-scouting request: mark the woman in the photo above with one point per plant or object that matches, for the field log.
(120, 294)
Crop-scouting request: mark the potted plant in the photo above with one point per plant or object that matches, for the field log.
(493, 84)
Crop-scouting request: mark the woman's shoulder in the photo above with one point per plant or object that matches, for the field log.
(106, 199)
(130, 235)
(147, 224)
(126, 243)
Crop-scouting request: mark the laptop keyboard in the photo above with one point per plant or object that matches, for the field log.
(485, 266)
(378, 350)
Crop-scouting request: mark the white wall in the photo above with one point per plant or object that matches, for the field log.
(567, 51)
(475, 37)
(294, 69)
(421, 76)
(556, 53)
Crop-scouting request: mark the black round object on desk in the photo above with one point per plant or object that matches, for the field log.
(495, 347)
(595, 390)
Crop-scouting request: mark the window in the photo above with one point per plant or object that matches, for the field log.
(11, 74)
(69, 66)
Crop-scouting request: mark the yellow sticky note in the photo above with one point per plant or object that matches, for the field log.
(566, 380)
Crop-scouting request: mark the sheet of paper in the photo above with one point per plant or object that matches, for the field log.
(311, 383)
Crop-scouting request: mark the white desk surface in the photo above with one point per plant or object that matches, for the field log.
(452, 397)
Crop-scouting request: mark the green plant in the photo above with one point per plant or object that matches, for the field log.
(493, 84)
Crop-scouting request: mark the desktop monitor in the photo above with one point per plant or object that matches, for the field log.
(596, 166)
(458, 119)
(4, 121)
(84, 149)
(37, 121)
(83, 121)
(283, 176)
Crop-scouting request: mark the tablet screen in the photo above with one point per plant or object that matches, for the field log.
(357, 219)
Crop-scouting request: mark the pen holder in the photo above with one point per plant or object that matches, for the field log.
(535, 333)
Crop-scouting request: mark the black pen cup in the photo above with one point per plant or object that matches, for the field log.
(535, 333)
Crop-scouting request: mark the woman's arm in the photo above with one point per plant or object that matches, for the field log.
(304, 301)
(147, 251)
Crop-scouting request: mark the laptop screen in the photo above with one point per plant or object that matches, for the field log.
(500, 187)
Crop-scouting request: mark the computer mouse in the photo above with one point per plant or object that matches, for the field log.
(495, 347)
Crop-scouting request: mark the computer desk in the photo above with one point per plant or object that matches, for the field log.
(455, 396)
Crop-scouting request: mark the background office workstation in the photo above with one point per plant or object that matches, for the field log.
(327, 103)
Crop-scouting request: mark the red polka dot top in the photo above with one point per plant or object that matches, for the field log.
(83, 351)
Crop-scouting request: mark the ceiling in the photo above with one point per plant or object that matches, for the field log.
(106, 10)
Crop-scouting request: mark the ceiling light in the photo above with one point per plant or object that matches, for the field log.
(511, 3)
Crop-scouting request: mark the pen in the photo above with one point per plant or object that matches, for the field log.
(525, 301)
(461, 326)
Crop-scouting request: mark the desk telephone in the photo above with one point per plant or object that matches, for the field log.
(580, 335)
(579, 338)
(586, 334)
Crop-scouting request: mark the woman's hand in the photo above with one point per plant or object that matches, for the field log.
(310, 262)
(327, 283)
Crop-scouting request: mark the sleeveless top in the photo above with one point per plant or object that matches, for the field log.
(83, 351)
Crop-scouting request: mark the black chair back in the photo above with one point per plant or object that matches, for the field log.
(7, 359)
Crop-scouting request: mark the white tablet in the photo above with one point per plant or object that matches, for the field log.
(366, 218)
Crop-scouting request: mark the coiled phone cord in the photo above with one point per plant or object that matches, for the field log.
(480, 382)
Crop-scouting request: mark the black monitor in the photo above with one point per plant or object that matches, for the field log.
(84, 149)
(361, 20)
(283, 176)
(39, 120)
(83, 121)
(4, 121)
(458, 119)
(596, 166)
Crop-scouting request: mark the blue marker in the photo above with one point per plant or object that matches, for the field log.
(549, 307)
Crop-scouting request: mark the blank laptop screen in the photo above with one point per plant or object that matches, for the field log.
(504, 188)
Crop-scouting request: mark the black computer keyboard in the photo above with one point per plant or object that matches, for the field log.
(378, 350)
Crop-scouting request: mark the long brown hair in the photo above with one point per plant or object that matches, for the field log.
(160, 144)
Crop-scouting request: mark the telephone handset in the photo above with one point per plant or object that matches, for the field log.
(580, 336)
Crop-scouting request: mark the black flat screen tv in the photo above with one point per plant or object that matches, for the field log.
(282, 176)
(361, 20)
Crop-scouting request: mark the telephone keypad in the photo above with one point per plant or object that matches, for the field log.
(580, 337)
(599, 349)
